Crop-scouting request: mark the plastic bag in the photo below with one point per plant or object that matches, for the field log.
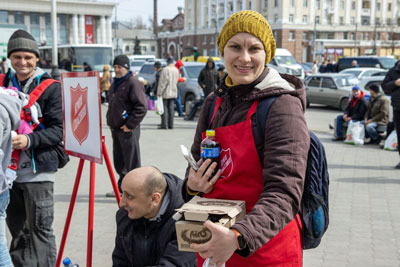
(159, 106)
(391, 142)
(355, 133)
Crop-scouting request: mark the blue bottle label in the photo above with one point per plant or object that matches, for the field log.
(212, 152)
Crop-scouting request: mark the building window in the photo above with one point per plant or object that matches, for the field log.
(352, 36)
(341, 4)
(390, 7)
(35, 25)
(377, 21)
(352, 20)
(378, 6)
(144, 48)
(153, 48)
(127, 48)
(389, 21)
(329, 20)
(341, 22)
(275, 18)
(362, 36)
(19, 17)
(291, 18)
(3, 16)
(398, 21)
(275, 35)
(330, 3)
(49, 31)
(318, 3)
(353, 5)
(345, 35)
(265, 4)
(276, 3)
(317, 20)
(305, 36)
(204, 39)
(305, 19)
(63, 28)
(331, 35)
(291, 35)
(305, 3)
(291, 3)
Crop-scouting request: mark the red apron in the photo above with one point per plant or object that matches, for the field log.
(241, 179)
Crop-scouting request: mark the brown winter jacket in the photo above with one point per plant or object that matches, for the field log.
(378, 110)
(128, 98)
(285, 150)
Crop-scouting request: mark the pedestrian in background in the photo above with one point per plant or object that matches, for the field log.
(105, 83)
(146, 234)
(127, 106)
(30, 213)
(168, 89)
(355, 111)
(377, 114)
(314, 69)
(391, 86)
(3, 66)
(270, 232)
(86, 67)
(178, 103)
(10, 109)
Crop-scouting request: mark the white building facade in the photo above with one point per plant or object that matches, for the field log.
(78, 22)
(341, 27)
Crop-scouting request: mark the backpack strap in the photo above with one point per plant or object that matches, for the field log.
(2, 78)
(263, 108)
(33, 97)
(211, 111)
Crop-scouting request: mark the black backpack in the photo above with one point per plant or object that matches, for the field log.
(314, 209)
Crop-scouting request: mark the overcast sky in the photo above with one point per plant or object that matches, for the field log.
(129, 9)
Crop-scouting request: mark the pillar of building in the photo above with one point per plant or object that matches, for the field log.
(312, 12)
(108, 31)
(102, 34)
(243, 4)
(27, 20)
(394, 14)
(383, 15)
(348, 11)
(336, 15)
(372, 15)
(42, 24)
(74, 29)
(202, 15)
(235, 6)
(81, 29)
(11, 19)
(358, 13)
(324, 12)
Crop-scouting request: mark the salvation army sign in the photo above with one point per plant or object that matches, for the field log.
(82, 115)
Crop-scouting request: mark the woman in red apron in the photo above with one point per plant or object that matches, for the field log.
(269, 178)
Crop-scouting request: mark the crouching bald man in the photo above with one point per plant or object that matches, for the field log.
(146, 233)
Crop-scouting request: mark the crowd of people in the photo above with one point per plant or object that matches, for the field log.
(268, 177)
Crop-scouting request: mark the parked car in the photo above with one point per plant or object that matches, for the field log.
(307, 68)
(366, 61)
(147, 72)
(283, 58)
(362, 73)
(190, 89)
(136, 65)
(331, 89)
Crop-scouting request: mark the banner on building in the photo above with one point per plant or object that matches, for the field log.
(89, 38)
(81, 117)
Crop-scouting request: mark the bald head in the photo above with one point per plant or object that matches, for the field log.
(147, 178)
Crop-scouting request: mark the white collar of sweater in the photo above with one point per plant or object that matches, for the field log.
(274, 79)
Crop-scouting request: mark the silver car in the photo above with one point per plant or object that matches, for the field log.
(331, 89)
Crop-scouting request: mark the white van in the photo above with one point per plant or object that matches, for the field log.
(283, 58)
(142, 57)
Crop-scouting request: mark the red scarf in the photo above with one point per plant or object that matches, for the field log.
(354, 100)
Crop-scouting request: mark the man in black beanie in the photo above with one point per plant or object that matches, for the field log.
(127, 107)
(30, 213)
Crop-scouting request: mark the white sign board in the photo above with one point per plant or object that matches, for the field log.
(82, 115)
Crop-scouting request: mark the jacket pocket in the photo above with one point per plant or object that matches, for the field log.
(44, 214)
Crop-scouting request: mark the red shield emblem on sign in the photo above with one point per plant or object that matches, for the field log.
(79, 113)
(225, 162)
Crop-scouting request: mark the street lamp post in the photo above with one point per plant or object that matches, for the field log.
(55, 73)
(315, 38)
(216, 35)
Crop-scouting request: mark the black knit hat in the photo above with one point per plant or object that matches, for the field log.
(374, 87)
(21, 40)
(122, 61)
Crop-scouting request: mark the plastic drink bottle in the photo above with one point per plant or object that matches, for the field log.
(210, 149)
(67, 263)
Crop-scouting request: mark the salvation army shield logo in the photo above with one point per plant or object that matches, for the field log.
(225, 162)
(79, 113)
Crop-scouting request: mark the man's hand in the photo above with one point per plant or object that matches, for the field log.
(345, 117)
(221, 246)
(368, 122)
(125, 129)
(201, 181)
(19, 141)
(397, 82)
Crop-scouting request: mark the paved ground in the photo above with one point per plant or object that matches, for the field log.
(364, 197)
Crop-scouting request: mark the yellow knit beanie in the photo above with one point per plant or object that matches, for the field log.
(253, 23)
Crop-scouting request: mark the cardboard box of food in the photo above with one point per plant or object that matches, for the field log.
(192, 215)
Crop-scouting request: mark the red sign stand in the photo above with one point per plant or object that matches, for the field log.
(91, 204)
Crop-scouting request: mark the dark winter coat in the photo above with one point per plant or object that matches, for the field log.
(208, 78)
(142, 242)
(285, 151)
(42, 142)
(390, 88)
(357, 112)
(126, 98)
